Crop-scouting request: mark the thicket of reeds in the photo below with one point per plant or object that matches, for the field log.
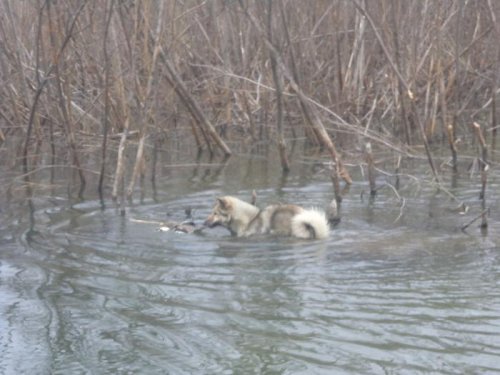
(393, 73)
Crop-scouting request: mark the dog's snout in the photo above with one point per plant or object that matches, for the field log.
(209, 222)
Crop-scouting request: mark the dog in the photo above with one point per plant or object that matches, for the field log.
(244, 219)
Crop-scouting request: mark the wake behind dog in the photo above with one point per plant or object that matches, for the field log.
(244, 219)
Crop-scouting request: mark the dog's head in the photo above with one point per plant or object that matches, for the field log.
(221, 213)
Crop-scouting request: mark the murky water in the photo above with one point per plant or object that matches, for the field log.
(86, 291)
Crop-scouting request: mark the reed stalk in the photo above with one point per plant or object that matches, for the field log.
(285, 164)
(483, 166)
(105, 125)
(371, 169)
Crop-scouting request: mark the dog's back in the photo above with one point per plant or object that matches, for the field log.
(292, 220)
(277, 219)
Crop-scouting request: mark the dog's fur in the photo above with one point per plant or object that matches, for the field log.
(244, 219)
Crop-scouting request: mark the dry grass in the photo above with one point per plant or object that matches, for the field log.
(391, 72)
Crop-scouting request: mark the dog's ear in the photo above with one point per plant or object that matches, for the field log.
(223, 203)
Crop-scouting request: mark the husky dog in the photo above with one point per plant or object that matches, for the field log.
(244, 219)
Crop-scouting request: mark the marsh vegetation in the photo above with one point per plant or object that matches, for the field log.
(146, 108)
(117, 77)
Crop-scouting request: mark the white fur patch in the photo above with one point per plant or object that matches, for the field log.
(314, 218)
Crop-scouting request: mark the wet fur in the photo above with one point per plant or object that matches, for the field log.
(244, 219)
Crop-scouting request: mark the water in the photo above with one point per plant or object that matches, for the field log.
(84, 290)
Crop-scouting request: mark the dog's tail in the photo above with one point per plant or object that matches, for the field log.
(310, 224)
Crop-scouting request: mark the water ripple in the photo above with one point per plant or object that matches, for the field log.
(116, 296)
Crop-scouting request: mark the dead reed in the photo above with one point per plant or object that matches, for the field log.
(393, 73)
